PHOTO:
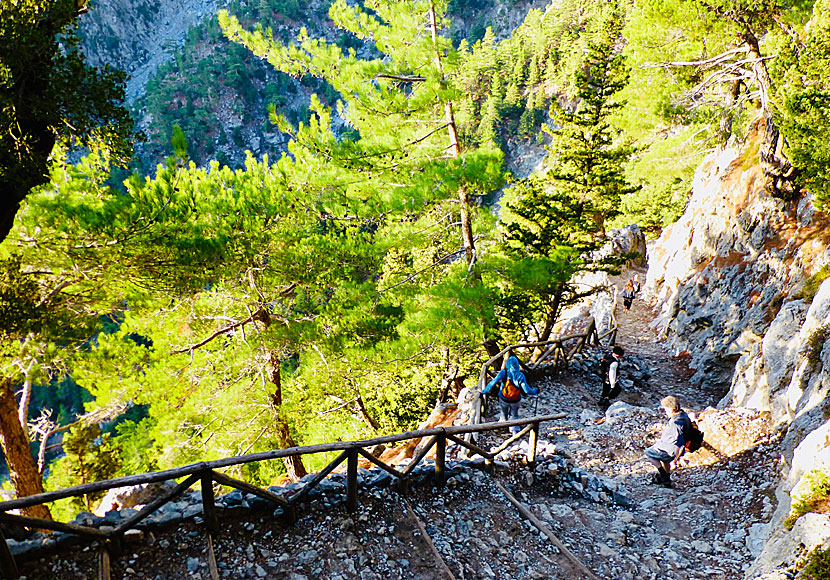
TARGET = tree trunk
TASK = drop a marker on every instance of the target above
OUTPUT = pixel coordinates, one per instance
(777, 167)
(550, 320)
(364, 414)
(293, 465)
(25, 476)
(463, 196)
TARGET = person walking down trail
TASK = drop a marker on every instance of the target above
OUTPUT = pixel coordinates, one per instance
(610, 375)
(511, 386)
(636, 284)
(628, 294)
(667, 451)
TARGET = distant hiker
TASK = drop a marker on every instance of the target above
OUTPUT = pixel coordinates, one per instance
(511, 385)
(636, 283)
(628, 294)
(610, 375)
(667, 451)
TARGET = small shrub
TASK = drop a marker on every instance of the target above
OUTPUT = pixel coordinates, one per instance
(816, 500)
(811, 286)
(815, 344)
(817, 566)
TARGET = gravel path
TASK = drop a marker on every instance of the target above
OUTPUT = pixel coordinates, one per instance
(707, 527)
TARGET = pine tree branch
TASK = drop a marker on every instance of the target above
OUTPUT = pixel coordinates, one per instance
(422, 270)
(255, 316)
(402, 78)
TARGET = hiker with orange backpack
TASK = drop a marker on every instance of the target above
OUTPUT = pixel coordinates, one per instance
(511, 386)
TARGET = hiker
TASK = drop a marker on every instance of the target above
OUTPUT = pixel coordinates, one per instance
(628, 294)
(636, 284)
(667, 451)
(512, 385)
(610, 375)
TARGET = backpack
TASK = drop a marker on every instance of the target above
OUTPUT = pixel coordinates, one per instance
(604, 366)
(509, 391)
(694, 438)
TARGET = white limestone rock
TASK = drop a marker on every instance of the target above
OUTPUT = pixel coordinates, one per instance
(785, 548)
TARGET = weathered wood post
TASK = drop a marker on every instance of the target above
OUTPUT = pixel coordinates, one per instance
(8, 567)
(115, 545)
(351, 480)
(208, 502)
(532, 438)
(104, 562)
(290, 514)
(440, 460)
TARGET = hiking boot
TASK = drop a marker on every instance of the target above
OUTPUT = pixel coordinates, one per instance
(667, 484)
(604, 402)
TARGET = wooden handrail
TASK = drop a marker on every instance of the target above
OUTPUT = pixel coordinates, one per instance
(558, 342)
(205, 472)
(195, 468)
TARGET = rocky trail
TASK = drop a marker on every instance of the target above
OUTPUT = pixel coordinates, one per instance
(590, 486)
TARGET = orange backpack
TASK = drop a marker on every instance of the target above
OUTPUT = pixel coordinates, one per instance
(509, 391)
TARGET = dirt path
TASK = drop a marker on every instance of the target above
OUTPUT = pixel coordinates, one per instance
(711, 523)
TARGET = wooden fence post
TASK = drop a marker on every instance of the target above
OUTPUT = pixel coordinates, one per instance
(290, 514)
(115, 546)
(8, 567)
(440, 460)
(532, 438)
(351, 481)
(104, 563)
(208, 502)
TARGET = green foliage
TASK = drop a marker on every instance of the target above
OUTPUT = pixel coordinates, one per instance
(586, 156)
(90, 456)
(49, 94)
(20, 301)
(816, 566)
(504, 82)
(813, 283)
(816, 498)
(815, 344)
(804, 99)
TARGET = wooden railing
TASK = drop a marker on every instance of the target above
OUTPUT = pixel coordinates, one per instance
(557, 353)
(206, 473)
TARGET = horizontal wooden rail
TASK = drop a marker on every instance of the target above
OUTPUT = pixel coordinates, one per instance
(206, 474)
(193, 468)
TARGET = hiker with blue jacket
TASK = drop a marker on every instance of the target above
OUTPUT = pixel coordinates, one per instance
(667, 451)
(510, 385)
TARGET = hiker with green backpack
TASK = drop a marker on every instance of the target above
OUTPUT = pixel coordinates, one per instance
(510, 385)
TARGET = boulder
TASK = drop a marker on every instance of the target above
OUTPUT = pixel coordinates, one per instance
(128, 497)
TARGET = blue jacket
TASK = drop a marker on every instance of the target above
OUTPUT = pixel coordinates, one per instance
(513, 370)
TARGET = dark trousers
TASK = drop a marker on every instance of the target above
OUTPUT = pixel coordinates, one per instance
(608, 392)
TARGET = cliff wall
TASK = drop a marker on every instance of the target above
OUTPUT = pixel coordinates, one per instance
(738, 283)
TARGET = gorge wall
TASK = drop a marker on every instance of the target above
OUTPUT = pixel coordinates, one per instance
(739, 284)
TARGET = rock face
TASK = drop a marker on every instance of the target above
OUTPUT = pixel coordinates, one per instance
(137, 36)
(734, 281)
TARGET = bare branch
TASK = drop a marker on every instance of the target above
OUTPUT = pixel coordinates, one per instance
(402, 78)
(724, 56)
(422, 270)
(255, 316)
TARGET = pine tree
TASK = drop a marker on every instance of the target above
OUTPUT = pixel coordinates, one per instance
(553, 222)
(584, 158)
(804, 104)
